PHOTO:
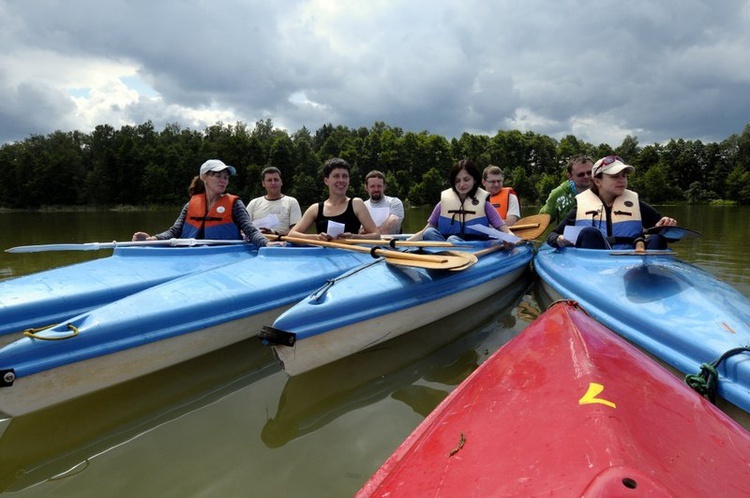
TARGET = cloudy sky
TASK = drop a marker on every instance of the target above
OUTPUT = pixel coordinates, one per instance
(597, 69)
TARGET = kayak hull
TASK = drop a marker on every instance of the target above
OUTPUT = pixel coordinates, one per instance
(370, 306)
(569, 408)
(162, 326)
(671, 309)
(48, 297)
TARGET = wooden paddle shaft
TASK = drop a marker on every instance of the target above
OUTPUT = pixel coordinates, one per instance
(377, 252)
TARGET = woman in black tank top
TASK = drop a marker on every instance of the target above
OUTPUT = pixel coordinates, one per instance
(339, 208)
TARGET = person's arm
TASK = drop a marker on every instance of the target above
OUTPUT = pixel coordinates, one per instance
(172, 232)
(494, 219)
(243, 221)
(369, 229)
(549, 204)
(432, 222)
(308, 219)
(295, 213)
(650, 217)
(514, 210)
(555, 237)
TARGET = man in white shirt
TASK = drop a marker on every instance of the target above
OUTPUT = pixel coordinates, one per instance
(387, 212)
(274, 212)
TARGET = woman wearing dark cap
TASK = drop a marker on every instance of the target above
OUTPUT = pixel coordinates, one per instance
(610, 215)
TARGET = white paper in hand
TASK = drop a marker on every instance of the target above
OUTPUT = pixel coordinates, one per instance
(496, 234)
(379, 215)
(269, 221)
(335, 229)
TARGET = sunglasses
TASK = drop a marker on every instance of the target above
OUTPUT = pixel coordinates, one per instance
(607, 161)
(583, 173)
(610, 159)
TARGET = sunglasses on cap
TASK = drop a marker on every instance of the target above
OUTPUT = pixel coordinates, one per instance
(605, 161)
(610, 159)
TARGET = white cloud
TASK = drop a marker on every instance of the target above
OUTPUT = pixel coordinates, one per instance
(597, 70)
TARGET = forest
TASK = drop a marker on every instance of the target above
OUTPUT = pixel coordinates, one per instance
(140, 166)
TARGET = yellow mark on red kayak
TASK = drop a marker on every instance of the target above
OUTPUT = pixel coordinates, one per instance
(591, 396)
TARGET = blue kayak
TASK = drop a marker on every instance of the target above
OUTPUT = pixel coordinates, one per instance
(370, 305)
(48, 297)
(162, 326)
(677, 312)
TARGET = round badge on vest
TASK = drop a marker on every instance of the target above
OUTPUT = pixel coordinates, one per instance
(220, 209)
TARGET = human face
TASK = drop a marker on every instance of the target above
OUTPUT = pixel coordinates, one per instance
(611, 186)
(272, 183)
(216, 181)
(337, 181)
(493, 183)
(375, 188)
(464, 183)
(581, 175)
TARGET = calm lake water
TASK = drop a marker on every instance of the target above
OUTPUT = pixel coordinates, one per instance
(233, 424)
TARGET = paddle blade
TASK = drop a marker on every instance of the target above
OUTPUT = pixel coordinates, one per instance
(673, 233)
(531, 227)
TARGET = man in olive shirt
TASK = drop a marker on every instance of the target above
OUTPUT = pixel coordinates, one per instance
(563, 198)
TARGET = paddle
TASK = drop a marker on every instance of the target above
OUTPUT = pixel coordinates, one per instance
(482, 252)
(96, 246)
(531, 227)
(398, 243)
(527, 228)
(673, 233)
(429, 261)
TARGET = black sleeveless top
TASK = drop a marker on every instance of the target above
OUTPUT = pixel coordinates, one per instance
(348, 218)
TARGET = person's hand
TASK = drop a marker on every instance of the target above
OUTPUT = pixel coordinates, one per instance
(140, 236)
(563, 242)
(345, 235)
(666, 222)
(324, 237)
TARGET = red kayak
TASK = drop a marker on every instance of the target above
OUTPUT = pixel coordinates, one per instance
(568, 408)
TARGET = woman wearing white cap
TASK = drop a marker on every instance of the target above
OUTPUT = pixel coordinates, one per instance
(610, 215)
(211, 213)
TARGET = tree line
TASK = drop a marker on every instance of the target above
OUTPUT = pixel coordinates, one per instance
(140, 166)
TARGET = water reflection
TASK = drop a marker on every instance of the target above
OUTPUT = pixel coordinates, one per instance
(443, 352)
(59, 442)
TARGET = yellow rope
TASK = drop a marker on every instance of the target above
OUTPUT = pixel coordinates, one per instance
(32, 333)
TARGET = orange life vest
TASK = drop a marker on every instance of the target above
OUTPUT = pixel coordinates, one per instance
(216, 223)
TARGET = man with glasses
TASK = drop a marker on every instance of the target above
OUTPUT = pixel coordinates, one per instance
(503, 199)
(563, 198)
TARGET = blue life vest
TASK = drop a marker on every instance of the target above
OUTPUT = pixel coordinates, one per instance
(456, 216)
(626, 217)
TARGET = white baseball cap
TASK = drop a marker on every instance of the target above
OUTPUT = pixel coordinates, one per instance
(216, 165)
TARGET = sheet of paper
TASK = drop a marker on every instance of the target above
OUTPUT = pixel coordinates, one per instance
(335, 228)
(496, 234)
(269, 221)
(379, 214)
(571, 233)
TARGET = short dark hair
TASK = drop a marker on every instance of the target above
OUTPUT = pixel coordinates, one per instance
(374, 174)
(492, 170)
(335, 163)
(578, 158)
(271, 170)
